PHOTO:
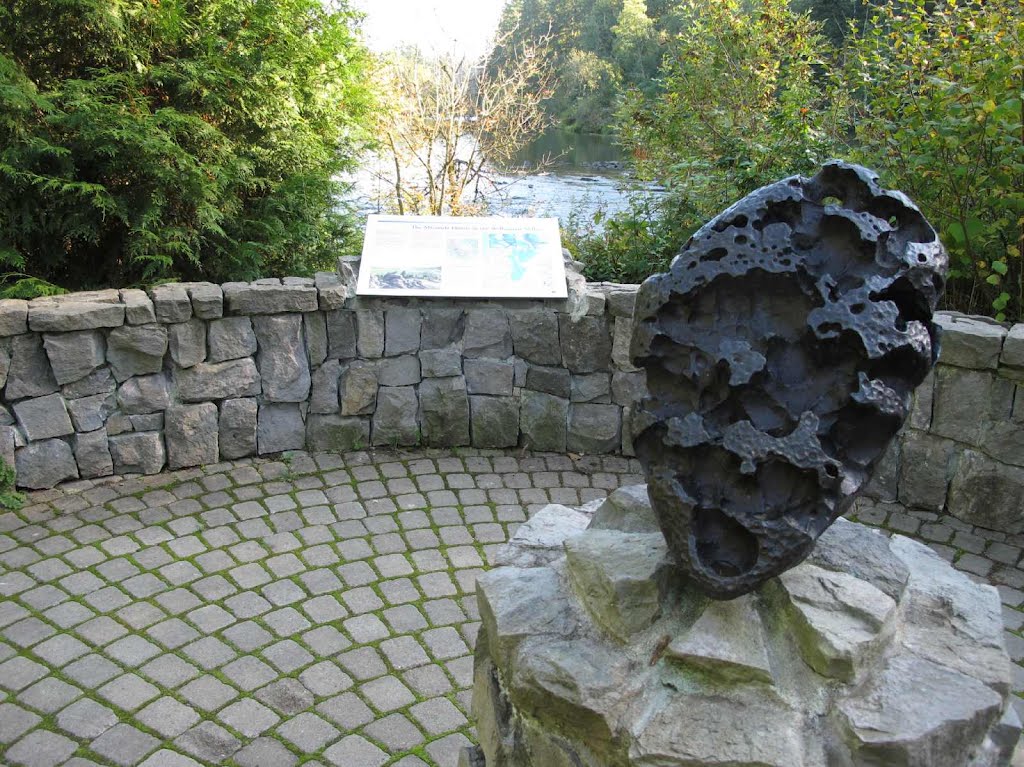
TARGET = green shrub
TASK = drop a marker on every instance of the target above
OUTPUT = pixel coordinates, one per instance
(939, 113)
(144, 140)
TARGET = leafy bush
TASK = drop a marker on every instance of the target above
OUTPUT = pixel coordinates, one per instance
(9, 497)
(939, 113)
(182, 138)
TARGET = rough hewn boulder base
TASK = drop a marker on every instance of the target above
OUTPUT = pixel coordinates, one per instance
(781, 351)
(593, 651)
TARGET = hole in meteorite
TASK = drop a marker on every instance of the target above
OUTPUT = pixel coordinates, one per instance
(857, 309)
(723, 544)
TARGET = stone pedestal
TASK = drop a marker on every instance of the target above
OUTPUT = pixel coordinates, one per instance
(593, 653)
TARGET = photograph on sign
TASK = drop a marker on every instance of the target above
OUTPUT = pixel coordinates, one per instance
(446, 256)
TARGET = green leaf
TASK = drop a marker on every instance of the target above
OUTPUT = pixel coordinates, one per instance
(999, 267)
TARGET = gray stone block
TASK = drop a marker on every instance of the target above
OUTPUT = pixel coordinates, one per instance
(594, 428)
(554, 381)
(5, 366)
(370, 333)
(627, 510)
(191, 435)
(30, 374)
(621, 300)
(147, 422)
(543, 421)
(138, 453)
(969, 342)
(281, 358)
(622, 335)
(399, 371)
(487, 334)
(138, 307)
(269, 298)
(43, 417)
(394, 420)
(488, 376)
(402, 331)
(315, 330)
(91, 413)
(230, 338)
(92, 453)
(535, 336)
(442, 326)
(341, 334)
(73, 356)
(495, 421)
(13, 316)
(187, 341)
(336, 433)
(332, 291)
(211, 381)
(171, 303)
(925, 470)
(357, 388)
(44, 464)
(8, 443)
(590, 387)
(967, 401)
(585, 343)
(1013, 347)
(119, 423)
(324, 394)
(63, 316)
(136, 350)
(628, 388)
(444, 411)
(207, 300)
(441, 363)
(987, 493)
(97, 382)
(238, 428)
(144, 394)
(279, 428)
(884, 484)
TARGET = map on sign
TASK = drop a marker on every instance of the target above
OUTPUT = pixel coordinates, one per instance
(447, 256)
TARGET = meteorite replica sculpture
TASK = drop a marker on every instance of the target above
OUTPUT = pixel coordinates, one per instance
(781, 350)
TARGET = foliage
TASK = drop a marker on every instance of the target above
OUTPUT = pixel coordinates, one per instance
(940, 113)
(182, 138)
(9, 497)
(601, 48)
(450, 120)
(630, 245)
(741, 104)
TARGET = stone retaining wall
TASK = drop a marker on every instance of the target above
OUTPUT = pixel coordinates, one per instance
(962, 449)
(132, 381)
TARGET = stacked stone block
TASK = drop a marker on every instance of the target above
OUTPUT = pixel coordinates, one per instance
(962, 449)
(133, 381)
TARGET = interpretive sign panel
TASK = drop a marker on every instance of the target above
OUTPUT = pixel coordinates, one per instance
(486, 257)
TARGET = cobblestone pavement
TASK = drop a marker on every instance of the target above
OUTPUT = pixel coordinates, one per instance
(316, 610)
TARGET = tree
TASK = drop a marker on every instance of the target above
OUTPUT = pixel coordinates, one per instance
(452, 120)
(940, 113)
(741, 104)
(183, 138)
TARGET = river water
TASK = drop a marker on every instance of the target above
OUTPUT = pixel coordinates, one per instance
(561, 174)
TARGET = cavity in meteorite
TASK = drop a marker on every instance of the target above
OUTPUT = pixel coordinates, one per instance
(781, 349)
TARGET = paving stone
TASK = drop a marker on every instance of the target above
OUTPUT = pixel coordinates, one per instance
(248, 717)
(208, 742)
(354, 749)
(396, 732)
(20, 672)
(265, 752)
(41, 748)
(168, 717)
(308, 732)
(437, 715)
(15, 722)
(170, 671)
(49, 695)
(124, 745)
(386, 694)
(207, 693)
(287, 656)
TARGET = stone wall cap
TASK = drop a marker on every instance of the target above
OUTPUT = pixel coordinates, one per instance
(74, 315)
(269, 297)
(13, 316)
(1013, 347)
(970, 342)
